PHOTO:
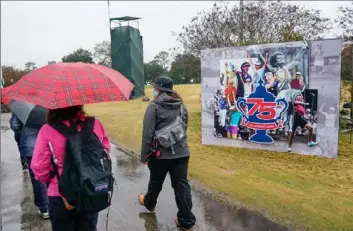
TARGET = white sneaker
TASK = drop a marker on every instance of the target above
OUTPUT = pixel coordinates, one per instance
(289, 149)
(44, 215)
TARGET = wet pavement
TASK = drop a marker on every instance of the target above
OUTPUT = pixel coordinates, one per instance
(19, 213)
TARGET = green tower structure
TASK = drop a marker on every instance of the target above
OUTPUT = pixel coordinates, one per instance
(127, 52)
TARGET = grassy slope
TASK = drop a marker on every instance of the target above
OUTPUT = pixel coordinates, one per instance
(313, 192)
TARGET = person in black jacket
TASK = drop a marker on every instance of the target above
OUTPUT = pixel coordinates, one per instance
(161, 112)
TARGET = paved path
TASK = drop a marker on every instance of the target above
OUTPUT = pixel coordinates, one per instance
(19, 213)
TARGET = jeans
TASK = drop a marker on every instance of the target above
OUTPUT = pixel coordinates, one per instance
(22, 158)
(177, 169)
(64, 220)
(39, 190)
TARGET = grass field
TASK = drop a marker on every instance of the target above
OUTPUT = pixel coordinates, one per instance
(302, 191)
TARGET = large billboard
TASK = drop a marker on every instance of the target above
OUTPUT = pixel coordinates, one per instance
(279, 97)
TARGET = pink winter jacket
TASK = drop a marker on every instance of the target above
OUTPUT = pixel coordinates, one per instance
(41, 160)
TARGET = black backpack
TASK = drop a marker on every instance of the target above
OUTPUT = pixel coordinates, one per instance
(87, 180)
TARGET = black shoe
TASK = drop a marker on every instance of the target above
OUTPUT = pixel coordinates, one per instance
(179, 226)
(141, 201)
(25, 167)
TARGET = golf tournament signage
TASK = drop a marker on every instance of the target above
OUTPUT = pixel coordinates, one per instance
(279, 97)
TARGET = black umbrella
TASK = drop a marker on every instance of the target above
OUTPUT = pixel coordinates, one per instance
(29, 114)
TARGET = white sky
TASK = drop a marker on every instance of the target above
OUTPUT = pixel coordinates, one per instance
(42, 31)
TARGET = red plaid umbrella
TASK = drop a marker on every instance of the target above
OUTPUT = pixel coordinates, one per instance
(69, 84)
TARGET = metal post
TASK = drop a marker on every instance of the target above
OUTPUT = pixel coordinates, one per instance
(108, 11)
(241, 6)
(110, 24)
(2, 80)
(351, 127)
(110, 35)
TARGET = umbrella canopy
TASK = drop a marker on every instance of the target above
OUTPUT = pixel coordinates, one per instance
(69, 84)
(28, 113)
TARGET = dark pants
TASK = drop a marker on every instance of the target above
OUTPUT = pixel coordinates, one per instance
(23, 158)
(64, 220)
(23, 161)
(178, 169)
(39, 190)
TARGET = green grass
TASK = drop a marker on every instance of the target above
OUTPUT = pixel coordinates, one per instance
(304, 191)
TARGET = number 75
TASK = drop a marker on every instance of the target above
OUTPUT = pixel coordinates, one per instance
(266, 109)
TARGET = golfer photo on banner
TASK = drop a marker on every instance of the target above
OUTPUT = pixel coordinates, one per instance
(276, 77)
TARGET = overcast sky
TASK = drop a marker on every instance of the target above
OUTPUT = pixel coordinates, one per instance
(47, 30)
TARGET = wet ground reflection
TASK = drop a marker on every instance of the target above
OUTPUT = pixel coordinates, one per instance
(19, 213)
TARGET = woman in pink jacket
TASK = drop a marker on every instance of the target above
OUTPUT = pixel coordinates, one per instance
(61, 218)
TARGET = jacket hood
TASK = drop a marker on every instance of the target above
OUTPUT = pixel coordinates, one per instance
(168, 101)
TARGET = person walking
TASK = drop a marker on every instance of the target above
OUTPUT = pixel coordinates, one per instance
(26, 136)
(16, 127)
(165, 149)
(48, 165)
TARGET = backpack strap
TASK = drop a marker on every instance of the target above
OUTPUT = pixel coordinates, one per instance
(89, 123)
(181, 109)
(54, 162)
(65, 130)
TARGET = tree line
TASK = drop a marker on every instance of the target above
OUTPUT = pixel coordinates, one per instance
(263, 22)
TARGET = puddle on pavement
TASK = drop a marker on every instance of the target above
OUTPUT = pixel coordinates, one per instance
(19, 213)
(211, 214)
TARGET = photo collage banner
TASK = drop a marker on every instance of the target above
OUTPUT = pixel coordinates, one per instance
(279, 97)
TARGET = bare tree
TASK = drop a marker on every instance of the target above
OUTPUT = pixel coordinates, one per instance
(345, 21)
(264, 22)
(163, 59)
(102, 53)
(11, 75)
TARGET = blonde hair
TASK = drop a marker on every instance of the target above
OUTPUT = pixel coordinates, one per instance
(230, 81)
